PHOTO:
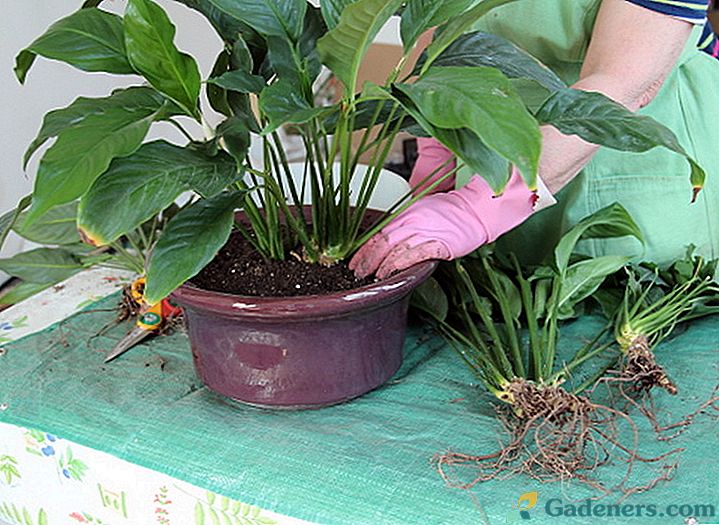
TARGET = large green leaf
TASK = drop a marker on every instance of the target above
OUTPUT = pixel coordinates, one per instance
(189, 241)
(611, 221)
(56, 226)
(281, 103)
(240, 81)
(149, 38)
(84, 150)
(600, 120)
(583, 278)
(483, 49)
(343, 47)
(42, 265)
(420, 15)
(267, 17)
(138, 187)
(89, 39)
(457, 26)
(7, 220)
(482, 100)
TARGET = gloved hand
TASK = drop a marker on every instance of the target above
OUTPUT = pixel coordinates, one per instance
(431, 155)
(448, 225)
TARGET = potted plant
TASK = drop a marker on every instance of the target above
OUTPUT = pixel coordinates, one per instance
(306, 350)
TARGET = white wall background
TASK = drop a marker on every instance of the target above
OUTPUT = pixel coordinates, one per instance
(52, 84)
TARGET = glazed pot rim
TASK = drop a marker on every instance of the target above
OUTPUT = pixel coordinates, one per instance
(333, 304)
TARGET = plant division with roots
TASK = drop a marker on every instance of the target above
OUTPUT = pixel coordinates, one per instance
(556, 432)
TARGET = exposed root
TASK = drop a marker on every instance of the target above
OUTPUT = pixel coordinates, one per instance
(641, 371)
(129, 307)
(555, 435)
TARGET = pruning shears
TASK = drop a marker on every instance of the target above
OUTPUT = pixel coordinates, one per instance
(149, 321)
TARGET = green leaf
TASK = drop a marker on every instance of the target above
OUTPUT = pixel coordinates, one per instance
(457, 26)
(482, 100)
(56, 226)
(281, 103)
(89, 39)
(138, 187)
(267, 17)
(343, 47)
(332, 11)
(42, 265)
(431, 299)
(583, 278)
(59, 119)
(240, 81)
(22, 291)
(483, 49)
(85, 149)
(235, 133)
(23, 62)
(26, 517)
(149, 38)
(7, 220)
(420, 15)
(598, 119)
(228, 27)
(42, 517)
(611, 221)
(189, 241)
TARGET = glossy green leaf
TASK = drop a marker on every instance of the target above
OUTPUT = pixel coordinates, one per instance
(22, 291)
(343, 48)
(7, 220)
(85, 149)
(332, 11)
(89, 39)
(149, 38)
(59, 119)
(42, 265)
(480, 99)
(612, 221)
(267, 17)
(420, 15)
(138, 187)
(598, 119)
(457, 26)
(483, 49)
(189, 241)
(281, 104)
(240, 81)
(583, 278)
(56, 226)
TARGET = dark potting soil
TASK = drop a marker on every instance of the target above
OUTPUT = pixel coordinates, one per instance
(239, 269)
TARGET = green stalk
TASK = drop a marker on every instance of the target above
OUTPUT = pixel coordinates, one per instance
(535, 339)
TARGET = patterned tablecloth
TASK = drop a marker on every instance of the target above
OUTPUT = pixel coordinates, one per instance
(48, 480)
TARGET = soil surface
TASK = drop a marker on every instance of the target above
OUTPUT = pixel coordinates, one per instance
(239, 269)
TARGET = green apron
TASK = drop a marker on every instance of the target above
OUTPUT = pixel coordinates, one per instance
(653, 186)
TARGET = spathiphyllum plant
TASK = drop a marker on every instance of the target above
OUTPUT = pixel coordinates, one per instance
(463, 91)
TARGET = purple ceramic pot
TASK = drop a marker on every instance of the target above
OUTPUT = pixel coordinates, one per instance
(299, 352)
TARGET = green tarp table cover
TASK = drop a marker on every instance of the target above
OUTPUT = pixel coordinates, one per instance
(362, 462)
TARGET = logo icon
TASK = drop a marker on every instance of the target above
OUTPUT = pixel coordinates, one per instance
(526, 502)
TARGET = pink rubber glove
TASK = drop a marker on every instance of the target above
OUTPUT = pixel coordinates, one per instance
(447, 225)
(431, 155)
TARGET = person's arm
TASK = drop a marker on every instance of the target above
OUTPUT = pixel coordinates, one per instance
(631, 52)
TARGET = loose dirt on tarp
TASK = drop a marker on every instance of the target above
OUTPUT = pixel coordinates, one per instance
(239, 269)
